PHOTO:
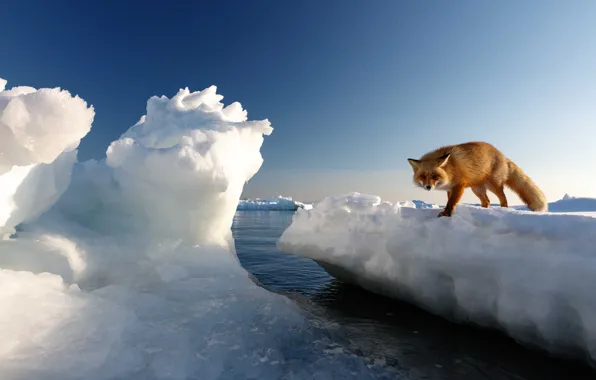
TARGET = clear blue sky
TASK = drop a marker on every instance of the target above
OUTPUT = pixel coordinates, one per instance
(351, 88)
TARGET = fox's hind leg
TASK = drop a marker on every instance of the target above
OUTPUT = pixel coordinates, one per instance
(500, 193)
(480, 192)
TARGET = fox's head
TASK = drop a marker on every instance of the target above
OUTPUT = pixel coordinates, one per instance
(430, 174)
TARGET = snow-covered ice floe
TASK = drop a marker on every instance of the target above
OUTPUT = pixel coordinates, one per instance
(530, 275)
(278, 203)
(125, 268)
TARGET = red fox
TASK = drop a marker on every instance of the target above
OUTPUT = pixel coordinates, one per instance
(480, 166)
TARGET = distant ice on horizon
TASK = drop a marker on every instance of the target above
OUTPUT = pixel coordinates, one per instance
(278, 203)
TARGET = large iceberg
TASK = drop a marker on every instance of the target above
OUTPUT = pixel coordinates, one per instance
(528, 274)
(131, 273)
(278, 203)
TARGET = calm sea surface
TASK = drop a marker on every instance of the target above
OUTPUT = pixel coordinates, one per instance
(414, 342)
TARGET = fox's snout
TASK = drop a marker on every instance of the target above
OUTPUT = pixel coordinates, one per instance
(426, 185)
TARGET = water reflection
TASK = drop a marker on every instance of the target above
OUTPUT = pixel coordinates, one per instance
(430, 347)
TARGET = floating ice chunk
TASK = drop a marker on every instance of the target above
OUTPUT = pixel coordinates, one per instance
(531, 275)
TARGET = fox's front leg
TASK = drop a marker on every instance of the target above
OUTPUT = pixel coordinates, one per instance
(453, 198)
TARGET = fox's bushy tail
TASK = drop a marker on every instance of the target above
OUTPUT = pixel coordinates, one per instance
(526, 189)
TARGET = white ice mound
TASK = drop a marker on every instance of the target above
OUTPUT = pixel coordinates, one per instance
(183, 166)
(278, 203)
(530, 275)
(39, 133)
(36, 126)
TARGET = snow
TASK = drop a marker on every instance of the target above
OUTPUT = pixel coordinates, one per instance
(278, 203)
(528, 274)
(125, 267)
(39, 133)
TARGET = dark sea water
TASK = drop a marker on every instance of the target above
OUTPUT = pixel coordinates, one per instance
(416, 343)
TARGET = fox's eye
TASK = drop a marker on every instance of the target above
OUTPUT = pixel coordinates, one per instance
(423, 177)
(435, 177)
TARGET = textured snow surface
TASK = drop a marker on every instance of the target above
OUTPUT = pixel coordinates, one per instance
(531, 275)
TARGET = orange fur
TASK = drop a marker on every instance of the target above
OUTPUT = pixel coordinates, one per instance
(481, 167)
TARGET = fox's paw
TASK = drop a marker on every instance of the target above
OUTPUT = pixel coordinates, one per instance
(444, 213)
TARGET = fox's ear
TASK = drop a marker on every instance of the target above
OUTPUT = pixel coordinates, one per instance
(415, 163)
(443, 160)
